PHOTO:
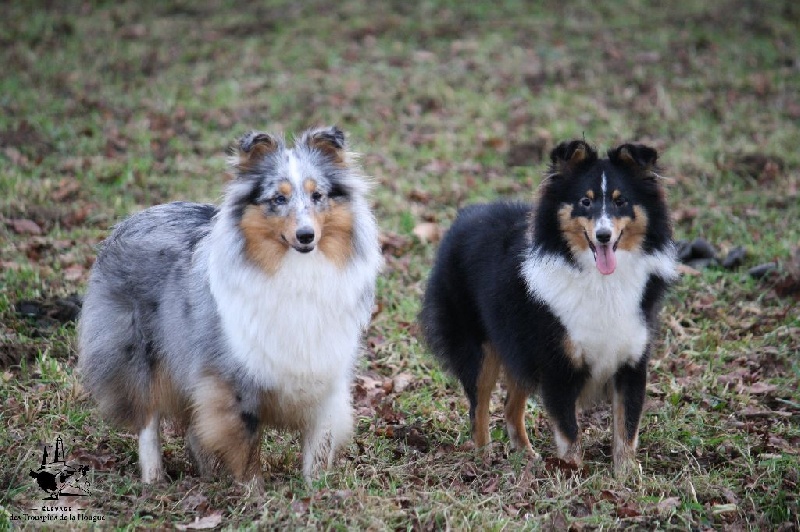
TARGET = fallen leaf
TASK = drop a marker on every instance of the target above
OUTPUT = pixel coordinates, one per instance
(420, 196)
(25, 227)
(202, 523)
(195, 503)
(760, 388)
(300, 506)
(394, 244)
(628, 510)
(667, 505)
(401, 381)
(428, 232)
(98, 460)
(76, 272)
(68, 189)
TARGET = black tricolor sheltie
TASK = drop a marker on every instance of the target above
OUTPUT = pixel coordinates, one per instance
(563, 296)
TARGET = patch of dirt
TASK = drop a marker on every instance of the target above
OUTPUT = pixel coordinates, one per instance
(27, 140)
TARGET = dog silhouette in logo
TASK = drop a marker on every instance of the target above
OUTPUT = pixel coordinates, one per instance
(54, 477)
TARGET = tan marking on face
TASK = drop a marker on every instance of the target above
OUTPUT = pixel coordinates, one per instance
(616, 194)
(310, 185)
(285, 188)
(590, 194)
(220, 430)
(264, 237)
(575, 229)
(487, 378)
(335, 226)
(514, 411)
(633, 230)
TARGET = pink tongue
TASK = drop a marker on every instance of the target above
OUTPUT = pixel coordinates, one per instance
(606, 260)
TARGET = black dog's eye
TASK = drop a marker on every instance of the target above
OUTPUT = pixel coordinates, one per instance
(586, 202)
(620, 202)
(316, 197)
(280, 199)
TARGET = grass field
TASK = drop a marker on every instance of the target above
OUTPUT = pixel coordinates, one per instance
(110, 107)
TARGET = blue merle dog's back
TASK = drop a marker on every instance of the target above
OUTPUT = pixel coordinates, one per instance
(140, 300)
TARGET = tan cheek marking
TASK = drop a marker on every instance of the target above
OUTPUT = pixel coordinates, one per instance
(264, 244)
(634, 229)
(336, 226)
(574, 228)
(285, 188)
(310, 185)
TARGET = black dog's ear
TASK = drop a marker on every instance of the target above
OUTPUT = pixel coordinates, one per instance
(253, 147)
(568, 155)
(328, 140)
(637, 156)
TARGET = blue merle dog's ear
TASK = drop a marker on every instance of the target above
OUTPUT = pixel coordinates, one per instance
(252, 148)
(569, 155)
(637, 157)
(328, 140)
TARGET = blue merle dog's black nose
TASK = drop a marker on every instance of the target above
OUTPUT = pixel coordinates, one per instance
(305, 235)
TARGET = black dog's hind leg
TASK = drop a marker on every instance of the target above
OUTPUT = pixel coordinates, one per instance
(478, 375)
(480, 398)
(627, 401)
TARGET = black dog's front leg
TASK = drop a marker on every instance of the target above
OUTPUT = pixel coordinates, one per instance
(627, 401)
(560, 396)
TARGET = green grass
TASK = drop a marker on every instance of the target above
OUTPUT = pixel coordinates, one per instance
(108, 108)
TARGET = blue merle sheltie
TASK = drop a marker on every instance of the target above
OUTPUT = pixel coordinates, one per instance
(562, 295)
(242, 316)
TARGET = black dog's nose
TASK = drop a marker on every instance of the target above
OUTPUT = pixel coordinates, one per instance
(603, 235)
(305, 235)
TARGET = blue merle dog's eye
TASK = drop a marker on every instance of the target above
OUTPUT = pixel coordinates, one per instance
(586, 202)
(316, 197)
(280, 199)
(620, 201)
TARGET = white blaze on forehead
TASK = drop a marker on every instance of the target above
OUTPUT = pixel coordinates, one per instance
(604, 222)
(298, 197)
(295, 176)
(604, 188)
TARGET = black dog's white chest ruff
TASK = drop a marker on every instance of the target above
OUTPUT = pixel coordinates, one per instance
(602, 314)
